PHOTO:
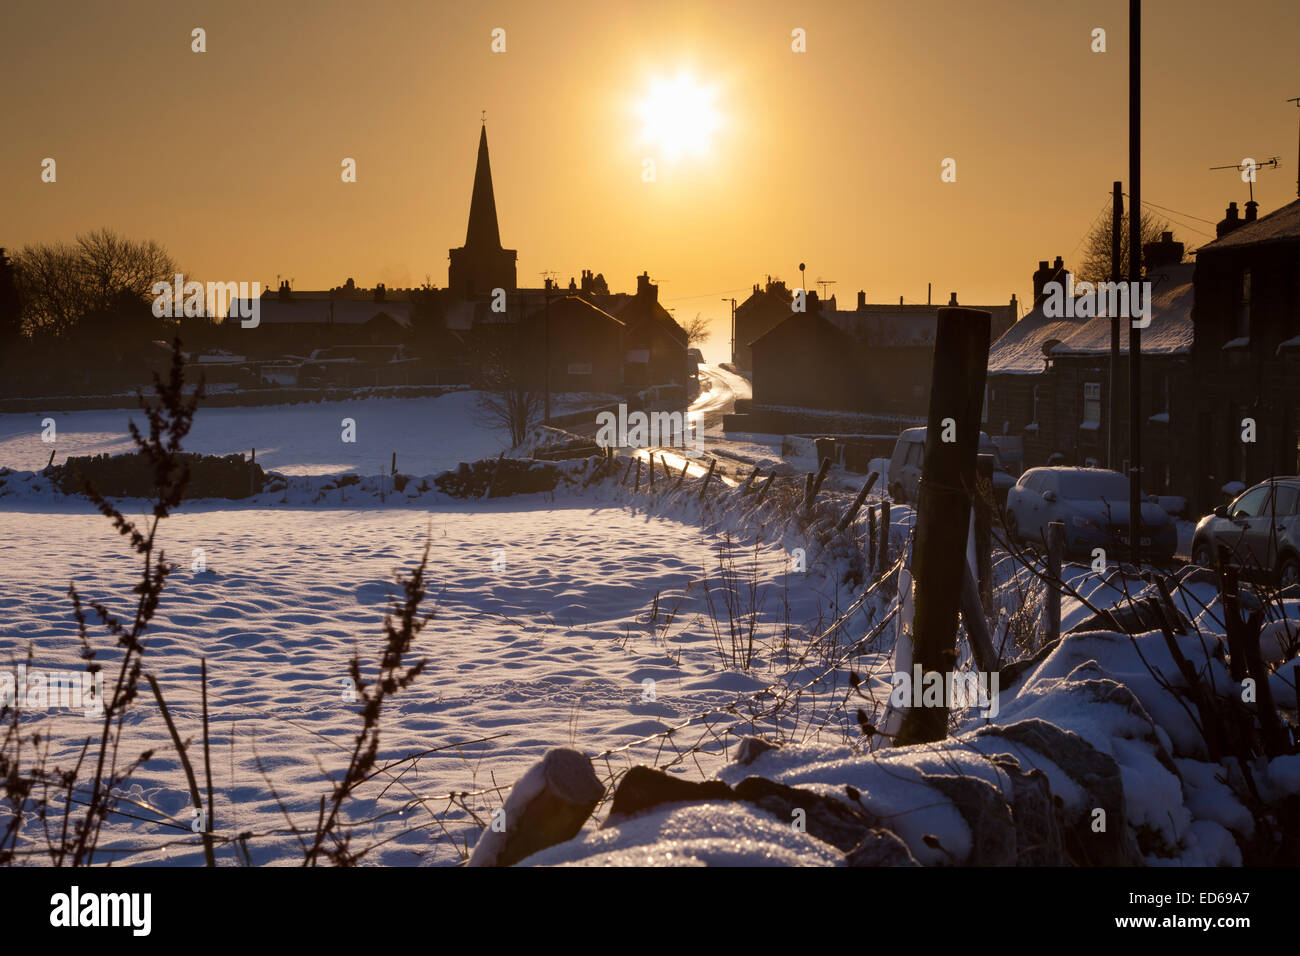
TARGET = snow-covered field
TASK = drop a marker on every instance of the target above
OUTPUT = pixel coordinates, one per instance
(541, 638)
(429, 434)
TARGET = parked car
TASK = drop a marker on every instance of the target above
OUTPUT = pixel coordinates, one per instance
(1260, 528)
(909, 452)
(1093, 504)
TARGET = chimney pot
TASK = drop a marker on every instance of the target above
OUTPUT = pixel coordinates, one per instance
(862, 298)
(1252, 208)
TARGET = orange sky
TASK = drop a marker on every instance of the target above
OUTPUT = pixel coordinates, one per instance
(231, 158)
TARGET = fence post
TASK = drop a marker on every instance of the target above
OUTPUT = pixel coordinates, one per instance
(816, 485)
(748, 485)
(636, 482)
(943, 510)
(882, 561)
(871, 540)
(682, 477)
(1055, 547)
(857, 502)
(984, 530)
(652, 470)
(713, 463)
(767, 483)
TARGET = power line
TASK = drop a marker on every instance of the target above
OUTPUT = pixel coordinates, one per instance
(702, 295)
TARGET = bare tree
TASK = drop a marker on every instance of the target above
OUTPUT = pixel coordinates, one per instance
(62, 284)
(1095, 263)
(697, 330)
(508, 397)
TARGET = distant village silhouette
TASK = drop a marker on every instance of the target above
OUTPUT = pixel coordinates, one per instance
(1223, 346)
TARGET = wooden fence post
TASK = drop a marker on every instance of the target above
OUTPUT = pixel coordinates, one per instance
(636, 482)
(816, 485)
(961, 350)
(1055, 547)
(749, 482)
(682, 477)
(882, 561)
(713, 462)
(871, 539)
(857, 502)
(652, 470)
(767, 483)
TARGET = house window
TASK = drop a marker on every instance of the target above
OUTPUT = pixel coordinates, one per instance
(1092, 403)
(1243, 307)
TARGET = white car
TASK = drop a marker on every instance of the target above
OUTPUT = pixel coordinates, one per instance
(1093, 505)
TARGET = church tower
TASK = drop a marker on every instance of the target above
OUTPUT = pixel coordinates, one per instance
(481, 265)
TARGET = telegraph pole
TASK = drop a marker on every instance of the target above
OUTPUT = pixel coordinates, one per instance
(1116, 275)
(733, 329)
(1135, 275)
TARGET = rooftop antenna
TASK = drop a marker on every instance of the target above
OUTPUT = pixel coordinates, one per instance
(483, 117)
(824, 283)
(1252, 165)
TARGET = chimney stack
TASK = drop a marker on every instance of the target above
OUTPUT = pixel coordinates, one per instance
(1166, 252)
(862, 298)
(643, 287)
(1045, 274)
(1229, 222)
(1252, 209)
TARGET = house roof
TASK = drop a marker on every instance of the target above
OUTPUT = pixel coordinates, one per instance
(900, 325)
(572, 305)
(1020, 350)
(314, 311)
(1170, 330)
(1278, 226)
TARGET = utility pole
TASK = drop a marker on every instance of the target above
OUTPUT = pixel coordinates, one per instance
(1116, 275)
(547, 411)
(1296, 101)
(733, 329)
(1135, 275)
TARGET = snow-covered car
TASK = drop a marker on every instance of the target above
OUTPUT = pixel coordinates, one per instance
(1260, 528)
(1093, 504)
(909, 452)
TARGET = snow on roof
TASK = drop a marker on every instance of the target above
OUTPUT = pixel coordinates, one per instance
(1278, 226)
(1170, 331)
(1020, 350)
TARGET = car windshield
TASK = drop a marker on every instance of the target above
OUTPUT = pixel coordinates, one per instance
(1092, 485)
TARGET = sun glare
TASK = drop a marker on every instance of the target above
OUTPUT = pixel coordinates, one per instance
(678, 117)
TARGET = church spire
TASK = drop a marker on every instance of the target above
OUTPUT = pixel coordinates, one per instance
(482, 231)
(481, 265)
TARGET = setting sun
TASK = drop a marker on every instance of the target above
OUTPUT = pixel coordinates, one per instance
(678, 116)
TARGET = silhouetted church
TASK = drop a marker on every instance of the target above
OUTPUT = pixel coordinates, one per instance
(481, 265)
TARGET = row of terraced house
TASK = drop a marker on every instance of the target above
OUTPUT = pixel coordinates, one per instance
(1220, 368)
